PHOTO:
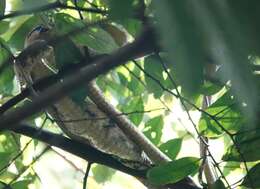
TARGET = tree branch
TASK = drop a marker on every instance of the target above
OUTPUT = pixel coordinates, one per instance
(142, 45)
(79, 149)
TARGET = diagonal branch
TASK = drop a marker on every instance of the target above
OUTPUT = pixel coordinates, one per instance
(142, 45)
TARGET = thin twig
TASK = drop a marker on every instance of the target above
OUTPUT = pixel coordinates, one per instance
(85, 179)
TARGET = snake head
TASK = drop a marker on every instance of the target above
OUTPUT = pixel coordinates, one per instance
(38, 33)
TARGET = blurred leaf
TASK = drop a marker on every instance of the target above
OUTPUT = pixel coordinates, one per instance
(102, 174)
(28, 4)
(247, 142)
(173, 171)
(209, 88)
(7, 75)
(120, 9)
(135, 105)
(133, 26)
(94, 37)
(172, 147)
(218, 185)
(252, 175)
(153, 67)
(4, 26)
(153, 129)
(17, 39)
(2, 7)
(182, 39)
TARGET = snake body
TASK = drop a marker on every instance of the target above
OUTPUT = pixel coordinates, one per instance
(78, 122)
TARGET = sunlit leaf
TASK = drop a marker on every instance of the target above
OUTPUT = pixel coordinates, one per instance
(171, 148)
(136, 108)
(153, 129)
(23, 184)
(102, 174)
(173, 171)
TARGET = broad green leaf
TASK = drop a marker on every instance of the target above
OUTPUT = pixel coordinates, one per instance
(172, 147)
(173, 171)
(182, 39)
(28, 4)
(253, 175)
(247, 142)
(94, 37)
(153, 67)
(4, 26)
(153, 129)
(2, 7)
(218, 185)
(17, 39)
(102, 174)
(136, 108)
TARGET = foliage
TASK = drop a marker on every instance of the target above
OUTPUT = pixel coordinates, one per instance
(190, 37)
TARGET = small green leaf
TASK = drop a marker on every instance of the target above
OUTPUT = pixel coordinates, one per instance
(136, 108)
(5, 157)
(173, 171)
(172, 147)
(153, 129)
(252, 175)
(102, 174)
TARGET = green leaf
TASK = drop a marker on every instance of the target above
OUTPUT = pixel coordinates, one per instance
(102, 174)
(153, 129)
(23, 184)
(218, 185)
(133, 26)
(226, 112)
(182, 39)
(2, 7)
(17, 39)
(4, 26)
(94, 37)
(5, 157)
(173, 171)
(67, 55)
(135, 106)
(120, 9)
(247, 142)
(253, 175)
(172, 147)
(153, 67)
(7, 76)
